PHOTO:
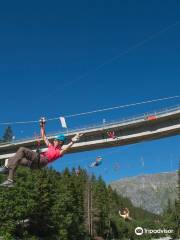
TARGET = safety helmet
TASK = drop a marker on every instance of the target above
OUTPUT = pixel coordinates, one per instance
(60, 137)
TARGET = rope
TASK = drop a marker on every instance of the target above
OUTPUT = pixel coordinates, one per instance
(121, 106)
(94, 111)
(115, 58)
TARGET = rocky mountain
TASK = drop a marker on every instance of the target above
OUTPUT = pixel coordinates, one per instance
(151, 191)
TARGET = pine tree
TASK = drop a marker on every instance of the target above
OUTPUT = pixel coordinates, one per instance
(100, 208)
(55, 206)
(172, 214)
(8, 134)
(44, 197)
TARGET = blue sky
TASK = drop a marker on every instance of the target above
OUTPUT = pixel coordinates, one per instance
(69, 57)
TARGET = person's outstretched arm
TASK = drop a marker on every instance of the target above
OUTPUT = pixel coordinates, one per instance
(121, 215)
(43, 132)
(73, 140)
(128, 217)
(127, 214)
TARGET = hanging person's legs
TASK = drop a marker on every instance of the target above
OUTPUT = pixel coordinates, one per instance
(24, 157)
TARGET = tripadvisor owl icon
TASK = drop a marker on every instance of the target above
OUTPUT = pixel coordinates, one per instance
(139, 231)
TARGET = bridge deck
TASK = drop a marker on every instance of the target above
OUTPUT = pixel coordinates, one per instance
(143, 128)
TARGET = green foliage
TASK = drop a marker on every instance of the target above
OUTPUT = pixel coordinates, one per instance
(172, 214)
(65, 206)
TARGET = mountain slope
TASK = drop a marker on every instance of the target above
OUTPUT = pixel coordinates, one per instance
(151, 192)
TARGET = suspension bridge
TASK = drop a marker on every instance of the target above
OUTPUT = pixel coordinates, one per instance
(145, 127)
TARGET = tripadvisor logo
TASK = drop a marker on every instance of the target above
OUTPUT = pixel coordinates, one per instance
(139, 231)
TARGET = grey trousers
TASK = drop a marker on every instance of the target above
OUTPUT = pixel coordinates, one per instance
(25, 157)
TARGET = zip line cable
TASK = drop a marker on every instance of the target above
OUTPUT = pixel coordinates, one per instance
(129, 49)
(94, 111)
(136, 45)
(121, 106)
(99, 67)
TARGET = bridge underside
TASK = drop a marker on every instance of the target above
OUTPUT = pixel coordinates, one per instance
(140, 130)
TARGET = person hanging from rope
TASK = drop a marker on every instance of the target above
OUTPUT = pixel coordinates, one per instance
(125, 214)
(111, 134)
(97, 162)
(34, 160)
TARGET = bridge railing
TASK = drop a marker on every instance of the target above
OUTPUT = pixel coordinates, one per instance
(123, 121)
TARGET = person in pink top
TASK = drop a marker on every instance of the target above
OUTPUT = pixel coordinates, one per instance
(34, 160)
